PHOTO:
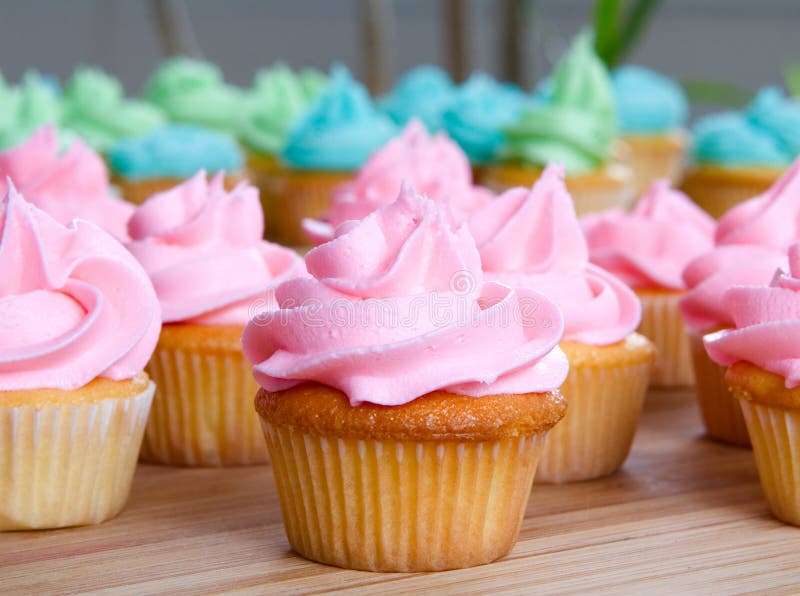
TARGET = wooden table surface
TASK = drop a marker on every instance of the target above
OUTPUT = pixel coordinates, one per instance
(685, 514)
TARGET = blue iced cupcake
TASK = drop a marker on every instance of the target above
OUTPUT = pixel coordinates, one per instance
(424, 93)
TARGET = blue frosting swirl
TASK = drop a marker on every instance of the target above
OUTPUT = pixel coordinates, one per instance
(340, 129)
(424, 92)
(774, 113)
(175, 151)
(648, 102)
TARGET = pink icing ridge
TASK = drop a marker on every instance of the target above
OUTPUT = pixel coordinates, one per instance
(74, 304)
(396, 308)
(433, 164)
(651, 245)
(202, 247)
(532, 238)
(72, 185)
(771, 219)
(767, 325)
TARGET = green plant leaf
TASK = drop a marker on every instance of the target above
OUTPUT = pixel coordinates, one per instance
(791, 76)
(719, 93)
(606, 27)
(636, 21)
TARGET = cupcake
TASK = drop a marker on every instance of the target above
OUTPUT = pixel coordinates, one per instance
(167, 156)
(576, 126)
(432, 164)
(95, 108)
(424, 93)
(80, 319)
(68, 184)
(324, 148)
(737, 155)
(640, 248)
(652, 110)
(193, 92)
(203, 249)
(762, 355)
(532, 239)
(412, 413)
(32, 104)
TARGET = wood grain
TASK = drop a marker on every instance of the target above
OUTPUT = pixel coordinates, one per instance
(685, 514)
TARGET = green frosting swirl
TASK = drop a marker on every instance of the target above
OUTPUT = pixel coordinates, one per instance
(95, 108)
(25, 108)
(577, 125)
(193, 91)
(278, 98)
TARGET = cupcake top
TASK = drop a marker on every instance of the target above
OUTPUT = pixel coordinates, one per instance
(532, 239)
(32, 104)
(577, 125)
(399, 309)
(424, 92)
(766, 325)
(67, 184)
(74, 304)
(648, 102)
(203, 250)
(175, 151)
(278, 98)
(194, 92)
(767, 133)
(432, 164)
(95, 107)
(340, 129)
(478, 112)
(640, 247)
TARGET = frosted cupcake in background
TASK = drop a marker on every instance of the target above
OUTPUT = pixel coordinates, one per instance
(575, 126)
(331, 141)
(69, 183)
(80, 320)
(648, 249)
(652, 111)
(425, 415)
(203, 250)
(23, 109)
(530, 238)
(166, 156)
(737, 155)
(424, 93)
(432, 164)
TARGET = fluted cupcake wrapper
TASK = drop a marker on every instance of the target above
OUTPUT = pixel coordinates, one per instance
(401, 506)
(655, 157)
(721, 412)
(717, 190)
(662, 324)
(69, 464)
(138, 191)
(595, 436)
(203, 412)
(775, 435)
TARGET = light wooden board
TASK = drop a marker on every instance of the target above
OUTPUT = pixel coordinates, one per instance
(685, 514)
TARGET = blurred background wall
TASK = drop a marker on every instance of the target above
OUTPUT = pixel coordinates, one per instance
(743, 41)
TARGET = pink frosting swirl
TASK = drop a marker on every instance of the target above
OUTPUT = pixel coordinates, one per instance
(532, 238)
(202, 247)
(766, 323)
(69, 185)
(433, 164)
(771, 219)
(397, 308)
(650, 246)
(74, 304)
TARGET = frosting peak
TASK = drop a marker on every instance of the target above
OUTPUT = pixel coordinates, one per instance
(424, 92)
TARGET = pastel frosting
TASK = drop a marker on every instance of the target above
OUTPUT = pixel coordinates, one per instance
(650, 246)
(175, 151)
(648, 102)
(203, 250)
(399, 309)
(532, 239)
(95, 108)
(278, 98)
(424, 93)
(33, 103)
(69, 184)
(480, 109)
(766, 325)
(577, 126)
(432, 164)
(74, 304)
(339, 130)
(194, 92)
